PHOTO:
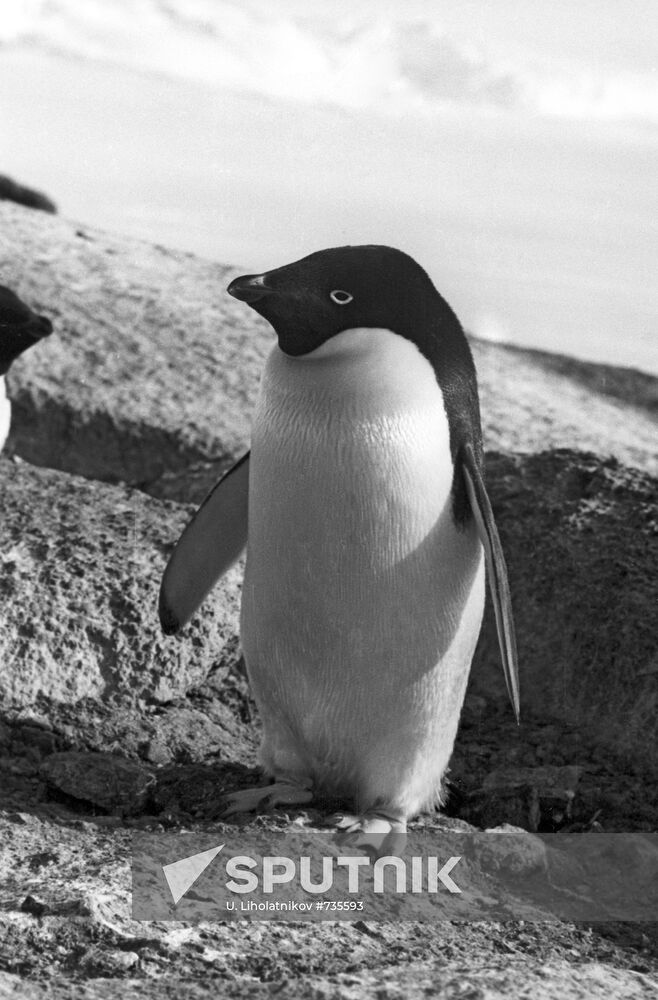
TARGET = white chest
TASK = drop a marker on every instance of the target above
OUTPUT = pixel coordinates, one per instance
(350, 491)
(351, 445)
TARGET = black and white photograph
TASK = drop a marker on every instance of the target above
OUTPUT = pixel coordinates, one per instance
(329, 519)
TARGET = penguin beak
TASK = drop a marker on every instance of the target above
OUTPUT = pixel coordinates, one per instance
(39, 327)
(34, 328)
(249, 288)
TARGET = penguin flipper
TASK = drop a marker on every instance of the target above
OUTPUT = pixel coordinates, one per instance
(209, 545)
(496, 571)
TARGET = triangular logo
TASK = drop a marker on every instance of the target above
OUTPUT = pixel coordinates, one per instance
(181, 875)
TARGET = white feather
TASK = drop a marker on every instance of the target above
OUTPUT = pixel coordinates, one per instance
(362, 601)
(5, 412)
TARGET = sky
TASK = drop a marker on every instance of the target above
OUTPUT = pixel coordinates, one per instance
(512, 148)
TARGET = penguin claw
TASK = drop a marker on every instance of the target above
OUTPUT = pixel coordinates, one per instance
(378, 835)
(281, 793)
(341, 821)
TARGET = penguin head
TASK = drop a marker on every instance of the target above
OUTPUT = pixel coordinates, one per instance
(19, 328)
(343, 288)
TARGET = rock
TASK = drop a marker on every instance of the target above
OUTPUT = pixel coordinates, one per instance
(531, 405)
(474, 708)
(98, 962)
(624, 384)
(87, 926)
(533, 797)
(22, 818)
(34, 741)
(80, 565)
(34, 906)
(149, 379)
(580, 536)
(152, 372)
(105, 780)
(514, 852)
(186, 735)
(197, 789)
(11, 191)
(559, 781)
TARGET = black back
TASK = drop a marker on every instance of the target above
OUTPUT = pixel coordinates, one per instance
(390, 290)
(19, 328)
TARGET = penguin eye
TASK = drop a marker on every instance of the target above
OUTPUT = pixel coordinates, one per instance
(340, 297)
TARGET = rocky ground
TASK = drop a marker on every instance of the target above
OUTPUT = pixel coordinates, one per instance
(122, 420)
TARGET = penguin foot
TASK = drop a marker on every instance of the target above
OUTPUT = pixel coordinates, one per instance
(375, 833)
(281, 793)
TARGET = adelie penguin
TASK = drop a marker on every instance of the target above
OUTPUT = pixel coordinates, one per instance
(20, 328)
(367, 523)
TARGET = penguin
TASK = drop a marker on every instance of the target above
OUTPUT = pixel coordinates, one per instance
(363, 507)
(10, 190)
(20, 328)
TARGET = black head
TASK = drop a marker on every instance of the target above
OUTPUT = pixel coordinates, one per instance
(19, 328)
(334, 290)
(315, 298)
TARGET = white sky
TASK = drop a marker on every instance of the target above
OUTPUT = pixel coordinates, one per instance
(538, 222)
(603, 34)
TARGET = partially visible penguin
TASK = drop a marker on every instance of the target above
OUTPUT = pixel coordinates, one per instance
(367, 523)
(20, 328)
